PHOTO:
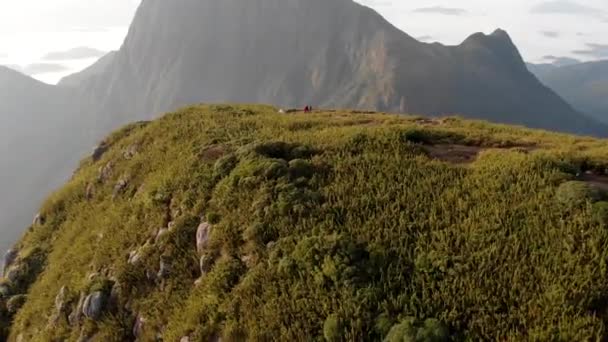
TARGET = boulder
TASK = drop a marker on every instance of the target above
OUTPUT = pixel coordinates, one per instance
(160, 233)
(130, 152)
(94, 304)
(202, 236)
(134, 257)
(185, 339)
(5, 289)
(99, 151)
(38, 220)
(76, 315)
(105, 172)
(165, 267)
(15, 303)
(151, 276)
(9, 258)
(120, 186)
(205, 264)
(89, 192)
(138, 327)
(60, 300)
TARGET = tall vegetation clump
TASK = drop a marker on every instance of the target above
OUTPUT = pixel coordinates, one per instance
(240, 223)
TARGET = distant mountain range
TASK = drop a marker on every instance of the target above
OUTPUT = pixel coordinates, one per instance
(584, 85)
(328, 53)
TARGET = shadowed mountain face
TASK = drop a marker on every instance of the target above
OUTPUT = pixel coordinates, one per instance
(584, 85)
(40, 137)
(332, 53)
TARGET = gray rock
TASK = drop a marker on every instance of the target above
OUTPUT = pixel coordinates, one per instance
(202, 236)
(94, 305)
(9, 258)
(60, 300)
(134, 257)
(165, 267)
(105, 172)
(138, 327)
(130, 152)
(205, 264)
(160, 233)
(38, 220)
(15, 303)
(5, 290)
(99, 151)
(120, 186)
(75, 317)
(151, 275)
(89, 191)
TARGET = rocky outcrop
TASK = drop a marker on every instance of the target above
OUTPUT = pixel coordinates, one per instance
(202, 237)
(94, 305)
(76, 316)
(99, 151)
(8, 260)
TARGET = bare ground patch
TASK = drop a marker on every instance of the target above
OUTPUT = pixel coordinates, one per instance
(595, 180)
(466, 154)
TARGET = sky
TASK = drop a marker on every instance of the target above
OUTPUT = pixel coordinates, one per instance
(49, 39)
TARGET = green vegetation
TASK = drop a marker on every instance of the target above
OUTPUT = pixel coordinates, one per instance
(330, 226)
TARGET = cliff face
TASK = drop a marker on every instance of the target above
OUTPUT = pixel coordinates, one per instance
(326, 53)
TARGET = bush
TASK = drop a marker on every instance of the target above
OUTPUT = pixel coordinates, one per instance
(332, 329)
(225, 165)
(431, 330)
(600, 213)
(577, 193)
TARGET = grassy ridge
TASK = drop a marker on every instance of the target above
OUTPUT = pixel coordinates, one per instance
(334, 225)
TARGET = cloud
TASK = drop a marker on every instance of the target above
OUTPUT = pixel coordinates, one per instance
(594, 50)
(40, 68)
(566, 7)
(550, 34)
(75, 53)
(561, 61)
(425, 38)
(441, 10)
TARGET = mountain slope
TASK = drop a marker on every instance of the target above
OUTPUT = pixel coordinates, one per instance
(584, 85)
(39, 146)
(332, 53)
(239, 223)
(97, 68)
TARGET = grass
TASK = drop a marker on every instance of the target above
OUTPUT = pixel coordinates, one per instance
(329, 226)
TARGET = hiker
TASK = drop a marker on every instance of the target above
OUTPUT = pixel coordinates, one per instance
(306, 110)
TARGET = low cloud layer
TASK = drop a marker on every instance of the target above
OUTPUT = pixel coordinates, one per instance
(75, 53)
(594, 50)
(441, 10)
(560, 61)
(39, 68)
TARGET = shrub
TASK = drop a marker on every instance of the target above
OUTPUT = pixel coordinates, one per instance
(332, 329)
(600, 213)
(577, 193)
(224, 166)
(431, 330)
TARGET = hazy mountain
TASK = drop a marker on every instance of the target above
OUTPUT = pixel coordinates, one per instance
(584, 85)
(39, 146)
(97, 68)
(332, 53)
